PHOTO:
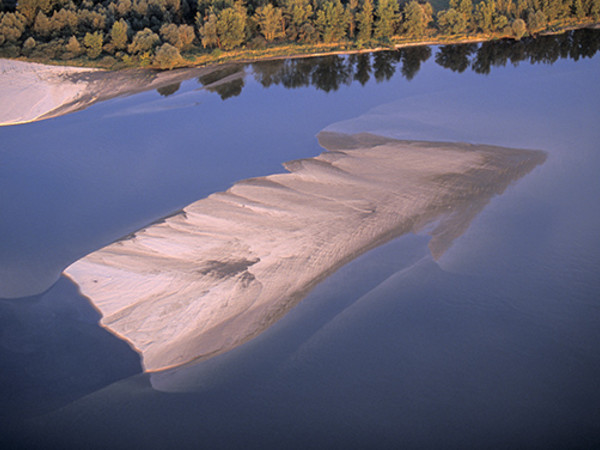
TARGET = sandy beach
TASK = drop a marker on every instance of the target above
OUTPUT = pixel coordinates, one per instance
(228, 266)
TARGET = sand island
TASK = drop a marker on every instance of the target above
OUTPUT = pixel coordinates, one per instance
(226, 267)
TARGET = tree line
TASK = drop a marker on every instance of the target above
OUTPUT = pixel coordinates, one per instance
(163, 32)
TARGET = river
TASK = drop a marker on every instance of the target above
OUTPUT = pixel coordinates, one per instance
(488, 337)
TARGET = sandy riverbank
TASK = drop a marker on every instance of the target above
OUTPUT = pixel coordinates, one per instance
(206, 280)
(30, 92)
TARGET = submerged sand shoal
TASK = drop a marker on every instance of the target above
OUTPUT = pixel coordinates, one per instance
(228, 266)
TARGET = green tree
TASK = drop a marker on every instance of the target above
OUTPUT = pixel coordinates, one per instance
(466, 9)
(28, 45)
(208, 32)
(416, 18)
(578, 9)
(167, 56)
(365, 21)
(123, 7)
(594, 9)
(451, 21)
(93, 44)
(143, 42)
(41, 25)
(536, 21)
(65, 22)
(12, 26)
(351, 8)
(270, 21)
(73, 47)
(519, 28)
(179, 36)
(387, 17)
(297, 15)
(119, 34)
(29, 9)
(484, 15)
(231, 26)
(332, 21)
(463, 7)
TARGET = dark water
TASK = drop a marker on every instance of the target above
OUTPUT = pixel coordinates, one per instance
(495, 345)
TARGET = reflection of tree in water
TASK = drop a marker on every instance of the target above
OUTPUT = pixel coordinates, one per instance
(455, 57)
(544, 49)
(384, 65)
(227, 81)
(362, 67)
(170, 89)
(412, 58)
(329, 73)
(325, 73)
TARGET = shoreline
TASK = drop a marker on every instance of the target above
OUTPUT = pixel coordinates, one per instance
(246, 56)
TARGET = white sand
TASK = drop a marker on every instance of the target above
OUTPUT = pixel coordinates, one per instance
(204, 281)
(29, 91)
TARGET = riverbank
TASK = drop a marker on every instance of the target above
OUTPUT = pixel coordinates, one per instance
(199, 57)
(31, 91)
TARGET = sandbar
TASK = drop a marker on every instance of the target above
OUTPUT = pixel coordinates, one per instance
(225, 268)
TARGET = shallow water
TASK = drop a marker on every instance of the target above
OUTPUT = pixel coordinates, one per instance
(493, 345)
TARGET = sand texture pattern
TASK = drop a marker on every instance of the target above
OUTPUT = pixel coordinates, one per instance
(206, 280)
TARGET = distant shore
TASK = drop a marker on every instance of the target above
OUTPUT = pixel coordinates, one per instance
(294, 51)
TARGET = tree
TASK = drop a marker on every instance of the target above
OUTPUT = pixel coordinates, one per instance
(387, 17)
(578, 9)
(297, 14)
(231, 26)
(29, 9)
(332, 21)
(594, 9)
(167, 56)
(351, 8)
(41, 25)
(12, 26)
(270, 22)
(484, 15)
(73, 47)
(64, 21)
(143, 41)
(28, 45)
(119, 34)
(181, 37)
(536, 21)
(123, 7)
(451, 21)
(365, 21)
(93, 44)
(466, 9)
(416, 18)
(519, 28)
(208, 32)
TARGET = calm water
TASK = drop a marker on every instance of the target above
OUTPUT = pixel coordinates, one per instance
(494, 345)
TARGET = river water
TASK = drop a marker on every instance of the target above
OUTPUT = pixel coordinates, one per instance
(494, 344)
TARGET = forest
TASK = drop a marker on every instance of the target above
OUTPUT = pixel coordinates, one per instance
(172, 33)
